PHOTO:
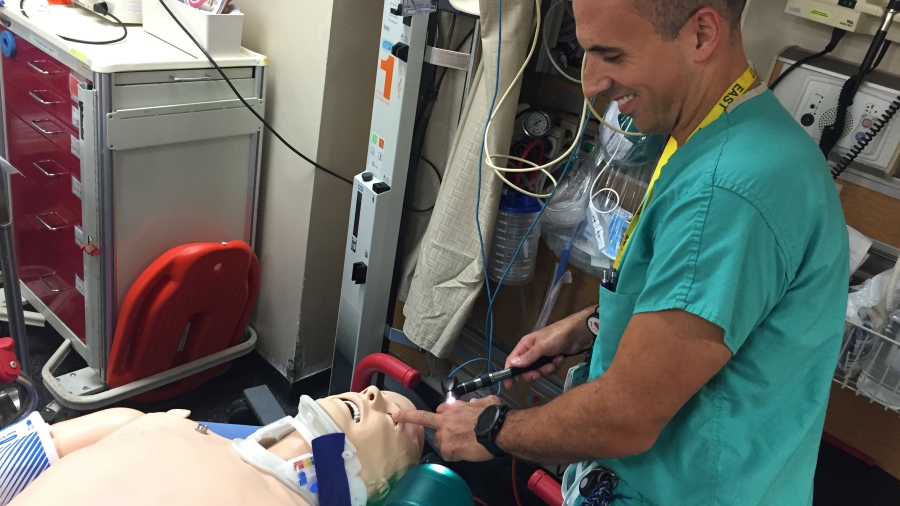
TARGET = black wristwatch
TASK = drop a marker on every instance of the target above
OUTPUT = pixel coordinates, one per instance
(488, 426)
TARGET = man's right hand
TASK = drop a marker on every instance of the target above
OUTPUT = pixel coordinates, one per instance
(565, 337)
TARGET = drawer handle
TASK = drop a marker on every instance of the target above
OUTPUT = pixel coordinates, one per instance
(44, 131)
(190, 79)
(50, 227)
(49, 286)
(33, 94)
(33, 64)
(44, 171)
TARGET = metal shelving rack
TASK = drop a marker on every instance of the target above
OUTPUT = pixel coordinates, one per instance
(869, 365)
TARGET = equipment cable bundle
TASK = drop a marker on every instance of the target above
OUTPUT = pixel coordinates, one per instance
(874, 55)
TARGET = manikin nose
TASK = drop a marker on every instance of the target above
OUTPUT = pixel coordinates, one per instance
(373, 395)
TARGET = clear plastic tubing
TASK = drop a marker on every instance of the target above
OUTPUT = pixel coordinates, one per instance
(517, 213)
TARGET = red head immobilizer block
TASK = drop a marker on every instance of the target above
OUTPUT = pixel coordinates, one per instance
(193, 301)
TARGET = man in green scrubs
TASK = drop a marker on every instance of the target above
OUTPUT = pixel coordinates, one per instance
(711, 371)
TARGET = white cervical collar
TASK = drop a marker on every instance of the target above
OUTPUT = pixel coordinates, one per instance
(311, 422)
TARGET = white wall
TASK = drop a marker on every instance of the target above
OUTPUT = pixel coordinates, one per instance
(277, 28)
(343, 140)
(310, 46)
(768, 30)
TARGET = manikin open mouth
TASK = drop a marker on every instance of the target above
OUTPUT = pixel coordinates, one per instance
(354, 409)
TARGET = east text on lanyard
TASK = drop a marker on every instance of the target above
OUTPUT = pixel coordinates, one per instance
(737, 89)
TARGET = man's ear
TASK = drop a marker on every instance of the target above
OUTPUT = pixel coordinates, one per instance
(704, 33)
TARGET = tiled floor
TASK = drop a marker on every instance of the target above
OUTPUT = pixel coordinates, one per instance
(840, 479)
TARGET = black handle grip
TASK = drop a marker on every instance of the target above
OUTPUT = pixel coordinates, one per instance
(541, 362)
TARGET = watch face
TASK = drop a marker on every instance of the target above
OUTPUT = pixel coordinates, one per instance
(487, 419)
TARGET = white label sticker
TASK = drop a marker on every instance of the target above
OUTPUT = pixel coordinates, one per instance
(793, 9)
(599, 225)
(76, 118)
(79, 284)
(133, 7)
(43, 45)
(79, 236)
(76, 146)
(616, 225)
(76, 187)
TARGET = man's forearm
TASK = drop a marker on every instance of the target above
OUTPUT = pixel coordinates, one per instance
(588, 422)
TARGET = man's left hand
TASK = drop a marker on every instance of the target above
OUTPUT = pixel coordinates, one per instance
(455, 424)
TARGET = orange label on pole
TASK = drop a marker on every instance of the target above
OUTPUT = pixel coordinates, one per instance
(387, 65)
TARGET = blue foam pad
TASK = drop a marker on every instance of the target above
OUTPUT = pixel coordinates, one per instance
(334, 489)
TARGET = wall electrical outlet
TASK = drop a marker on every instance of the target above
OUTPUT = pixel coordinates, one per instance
(810, 95)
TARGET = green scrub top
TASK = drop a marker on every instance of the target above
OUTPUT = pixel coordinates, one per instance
(745, 230)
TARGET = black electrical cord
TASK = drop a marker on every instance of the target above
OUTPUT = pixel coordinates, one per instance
(836, 35)
(860, 146)
(421, 114)
(832, 133)
(884, 49)
(433, 93)
(248, 106)
(100, 8)
(440, 181)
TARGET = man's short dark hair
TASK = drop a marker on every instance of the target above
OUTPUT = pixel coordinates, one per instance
(670, 16)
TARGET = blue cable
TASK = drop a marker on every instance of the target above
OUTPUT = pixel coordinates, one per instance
(467, 363)
(487, 284)
(533, 224)
(489, 319)
(492, 297)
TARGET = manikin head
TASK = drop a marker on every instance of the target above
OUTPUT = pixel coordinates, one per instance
(660, 52)
(385, 448)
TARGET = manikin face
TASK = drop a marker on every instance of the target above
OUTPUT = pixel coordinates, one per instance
(630, 63)
(384, 448)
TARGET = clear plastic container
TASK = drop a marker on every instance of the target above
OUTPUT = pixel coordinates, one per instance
(566, 210)
(880, 379)
(517, 213)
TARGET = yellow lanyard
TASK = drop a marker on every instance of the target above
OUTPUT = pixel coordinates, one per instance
(734, 91)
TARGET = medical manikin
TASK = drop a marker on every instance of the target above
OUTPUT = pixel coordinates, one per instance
(121, 456)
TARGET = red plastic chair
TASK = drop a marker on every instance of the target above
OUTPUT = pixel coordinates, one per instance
(193, 301)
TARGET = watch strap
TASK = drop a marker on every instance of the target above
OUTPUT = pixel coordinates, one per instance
(488, 438)
(493, 448)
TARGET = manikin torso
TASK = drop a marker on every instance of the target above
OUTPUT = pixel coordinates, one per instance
(120, 456)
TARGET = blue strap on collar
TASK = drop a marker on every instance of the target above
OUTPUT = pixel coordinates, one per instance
(334, 489)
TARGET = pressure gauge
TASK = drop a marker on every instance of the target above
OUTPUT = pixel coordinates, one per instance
(537, 124)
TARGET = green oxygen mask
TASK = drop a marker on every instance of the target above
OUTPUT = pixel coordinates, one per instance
(627, 150)
(430, 485)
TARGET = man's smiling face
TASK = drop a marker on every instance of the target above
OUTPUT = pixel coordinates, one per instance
(629, 62)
